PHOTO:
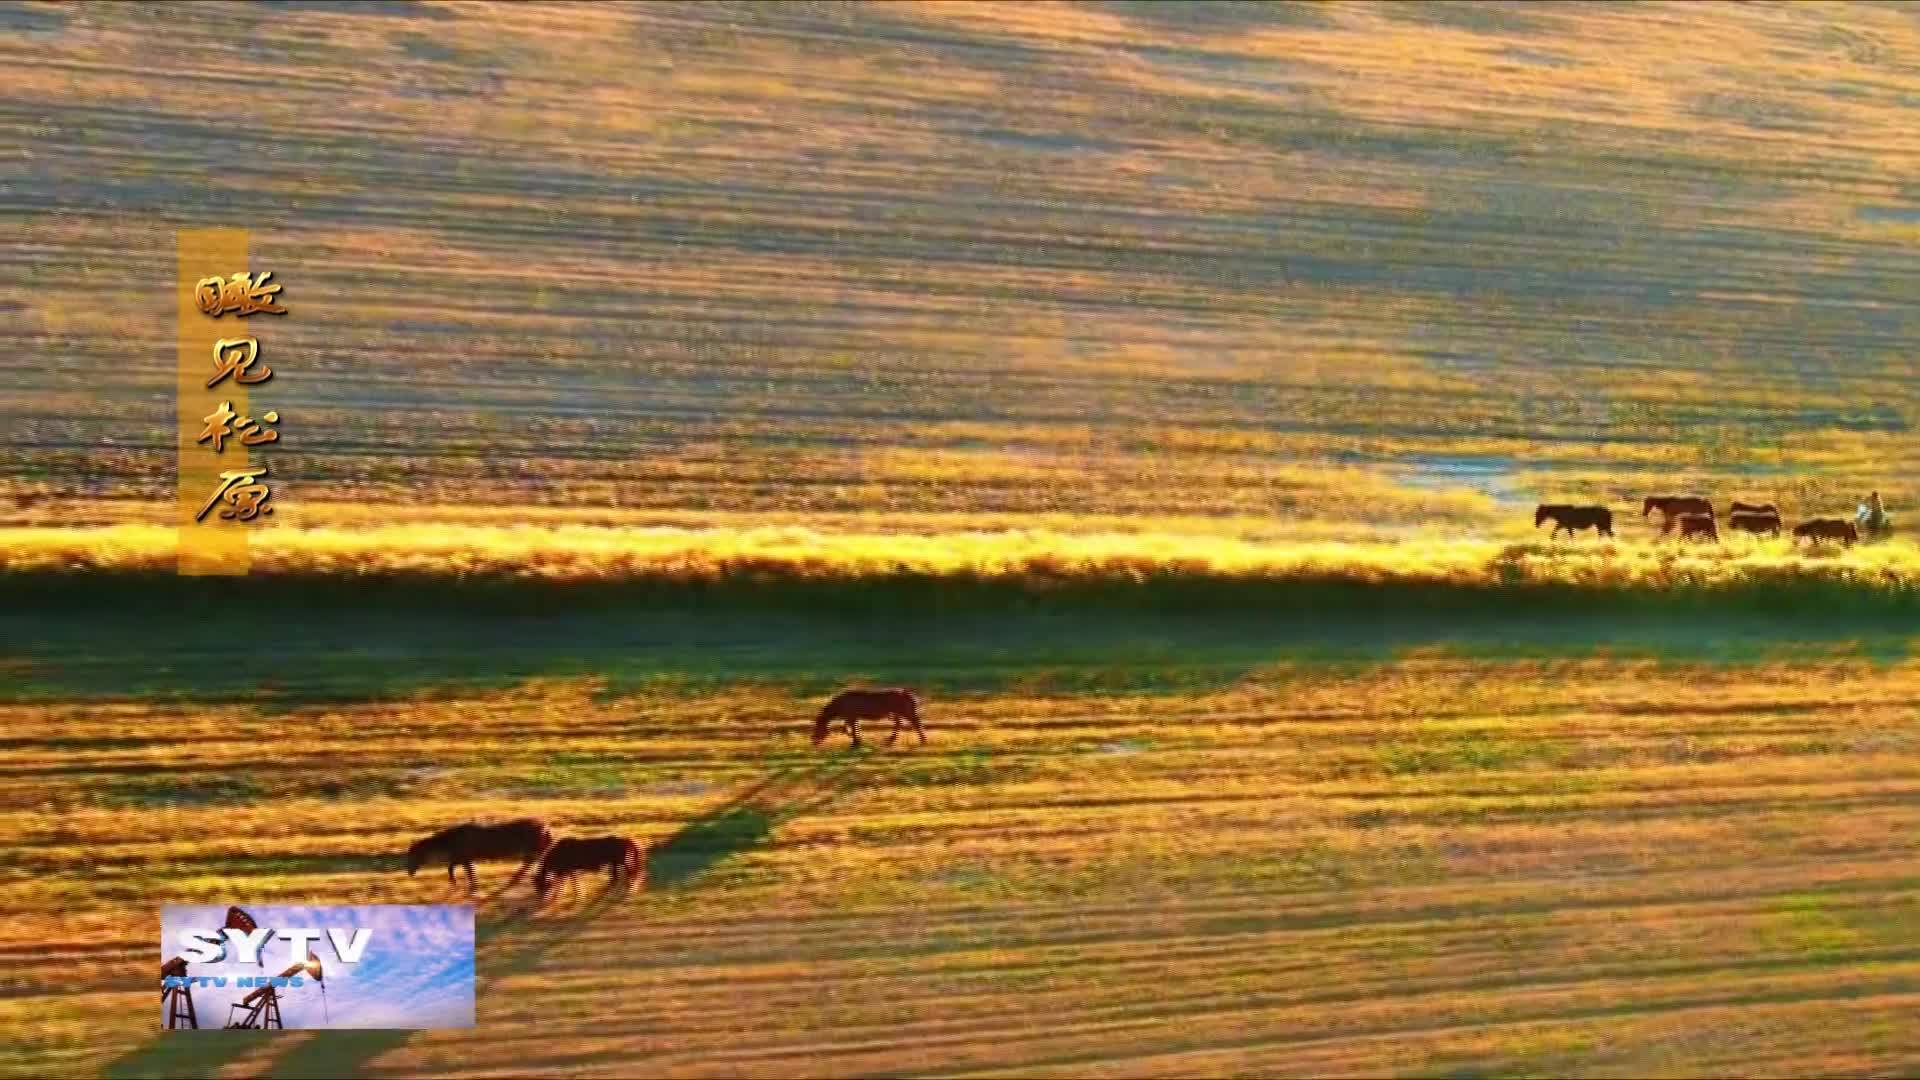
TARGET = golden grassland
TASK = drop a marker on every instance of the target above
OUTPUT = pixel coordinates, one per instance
(772, 555)
(1048, 293)
(1433, 864)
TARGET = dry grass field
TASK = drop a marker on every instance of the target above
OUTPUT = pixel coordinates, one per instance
(1162, 390)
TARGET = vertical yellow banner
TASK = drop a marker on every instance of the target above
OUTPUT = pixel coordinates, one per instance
(209, 546)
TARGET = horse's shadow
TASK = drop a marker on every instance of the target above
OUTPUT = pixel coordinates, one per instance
(747, 819)
(329, 1055)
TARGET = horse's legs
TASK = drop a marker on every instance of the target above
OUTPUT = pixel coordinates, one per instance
(473, 883)
(897, 725)
(450, 866)
(921, 731)
(853, 729)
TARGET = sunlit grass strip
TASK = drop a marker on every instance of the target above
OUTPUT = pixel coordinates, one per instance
(772, 565)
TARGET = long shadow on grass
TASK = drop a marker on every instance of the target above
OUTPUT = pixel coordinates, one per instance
(746, 820)
(361, 656)
(187, 1055)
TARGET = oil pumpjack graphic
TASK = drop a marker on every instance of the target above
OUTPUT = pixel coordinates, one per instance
(178, 997)
(260, 1009)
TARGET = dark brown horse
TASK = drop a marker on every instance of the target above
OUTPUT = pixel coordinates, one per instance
(1758, 524)
(1574, 518)
(1672, 506)
(617, 855)
(856, 705)
(1753, 508)
(1697, 527)
(1827, 529)
(526, 839)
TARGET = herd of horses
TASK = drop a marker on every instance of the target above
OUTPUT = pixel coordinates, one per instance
(1694, 518)
(556, 859)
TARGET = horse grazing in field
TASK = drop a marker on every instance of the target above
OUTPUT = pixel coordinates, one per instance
(1697, 527)
(1758, 524)
(1827, 529)
(1574, 518)
(853, 706)
(1673, 506)
(617, 855)
(526, 839)
(1753, 508)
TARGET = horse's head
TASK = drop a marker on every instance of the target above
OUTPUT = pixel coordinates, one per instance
(1649, 505)
(820, 725)
(1539, 514)
(416, 856)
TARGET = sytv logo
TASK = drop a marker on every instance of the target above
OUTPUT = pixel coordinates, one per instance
(201, 946)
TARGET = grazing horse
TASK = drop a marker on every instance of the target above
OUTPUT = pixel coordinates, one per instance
(856, 705)
(1753, 508)
(1672, 506)
(1827, 529)
(526, 839)
(1574, 518)
(1756, 523)
(617, 855)
(1697, 527)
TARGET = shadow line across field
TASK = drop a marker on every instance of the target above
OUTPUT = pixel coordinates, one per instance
(344, 656)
